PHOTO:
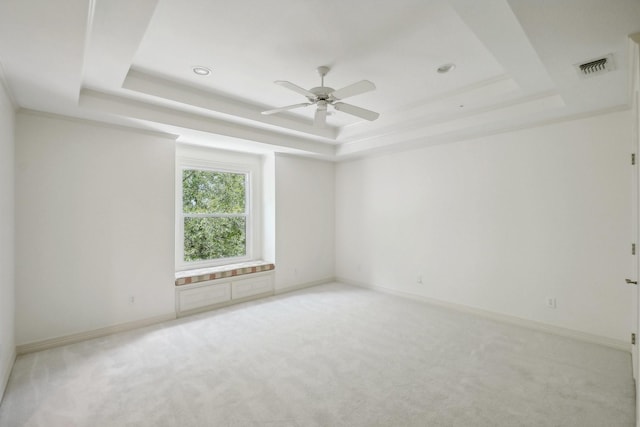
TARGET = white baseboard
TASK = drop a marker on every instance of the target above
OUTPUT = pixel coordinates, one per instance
(7, 374)
(96, 333)
(304, 285)
(529, 324)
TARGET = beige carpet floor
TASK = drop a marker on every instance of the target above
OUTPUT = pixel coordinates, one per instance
(332, 355)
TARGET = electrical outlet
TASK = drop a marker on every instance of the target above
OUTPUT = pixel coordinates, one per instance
(419, 279)
(551, 302)
(132, 299)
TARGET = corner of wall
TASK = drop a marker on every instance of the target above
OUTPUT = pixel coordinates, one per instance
(7, 374)
(269, 208)
(7, 234)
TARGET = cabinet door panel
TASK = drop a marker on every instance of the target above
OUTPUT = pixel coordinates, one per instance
(204, 296)
(254, 286)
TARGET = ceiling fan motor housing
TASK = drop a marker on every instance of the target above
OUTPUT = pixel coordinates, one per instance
(321, 93)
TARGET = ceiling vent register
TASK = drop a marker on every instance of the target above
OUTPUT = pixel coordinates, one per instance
(595, 67)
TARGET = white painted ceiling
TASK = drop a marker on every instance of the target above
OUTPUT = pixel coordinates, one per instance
(130, 63)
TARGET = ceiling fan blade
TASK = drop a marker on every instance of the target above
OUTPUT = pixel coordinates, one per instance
(320, 119)
(295, 88)
(356, 111)
(353, 89)
(288, 107)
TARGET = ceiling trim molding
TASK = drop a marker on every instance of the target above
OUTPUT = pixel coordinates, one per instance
(157, 134)
(415, 111)
(483, 84)
(563, 119)
(7, 89)
(110, 70)
(425, 142)
(483, 17)
(633, 52)
(87, 39)
(483, 116)
(124, 107)
(148, 84)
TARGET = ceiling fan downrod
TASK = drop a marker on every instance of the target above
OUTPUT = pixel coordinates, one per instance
(322, 70)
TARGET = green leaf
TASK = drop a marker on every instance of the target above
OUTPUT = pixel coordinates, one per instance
(213, 192)
(214, 238)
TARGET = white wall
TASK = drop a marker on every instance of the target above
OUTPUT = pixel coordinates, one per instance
(7, 271)
(500, 223)
(95, 221)
(305, 218)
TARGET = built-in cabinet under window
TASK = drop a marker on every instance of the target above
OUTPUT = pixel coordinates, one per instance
(210, 294)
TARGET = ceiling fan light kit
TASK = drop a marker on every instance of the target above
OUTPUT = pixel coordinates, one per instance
(323, 96)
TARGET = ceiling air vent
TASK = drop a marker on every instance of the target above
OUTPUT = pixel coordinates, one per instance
(595, 67)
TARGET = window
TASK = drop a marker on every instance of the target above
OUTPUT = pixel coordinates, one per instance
(214, 214)
(217, 208)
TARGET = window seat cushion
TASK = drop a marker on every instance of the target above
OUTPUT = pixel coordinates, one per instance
(221, 272)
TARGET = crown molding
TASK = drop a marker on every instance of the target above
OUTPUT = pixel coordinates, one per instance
(99, 123)
(176, 120)
(230, 108)
(424, 142)
(7, 89)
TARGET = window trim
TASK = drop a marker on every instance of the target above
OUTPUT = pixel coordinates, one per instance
(251, 169)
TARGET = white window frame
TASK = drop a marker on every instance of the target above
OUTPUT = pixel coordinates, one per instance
(202, 159)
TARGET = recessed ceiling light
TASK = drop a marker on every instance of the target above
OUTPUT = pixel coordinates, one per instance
(446, 68)
(201, 71)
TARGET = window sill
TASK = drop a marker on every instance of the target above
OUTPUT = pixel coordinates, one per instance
(221, 272)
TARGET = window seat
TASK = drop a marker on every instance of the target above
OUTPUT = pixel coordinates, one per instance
(221, 272)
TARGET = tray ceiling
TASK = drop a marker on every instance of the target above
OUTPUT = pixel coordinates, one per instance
(131, 63)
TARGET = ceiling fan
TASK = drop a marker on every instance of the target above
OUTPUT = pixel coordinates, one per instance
(323, 96)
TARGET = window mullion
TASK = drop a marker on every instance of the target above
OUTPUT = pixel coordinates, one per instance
(216, 215)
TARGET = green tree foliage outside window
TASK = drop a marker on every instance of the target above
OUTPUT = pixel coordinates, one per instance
(214, 212)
